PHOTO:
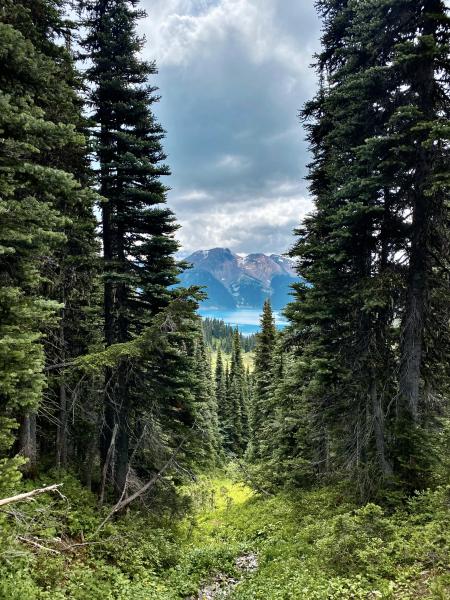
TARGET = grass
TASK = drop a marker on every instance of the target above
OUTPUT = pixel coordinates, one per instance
(311, 545)
(248, 359)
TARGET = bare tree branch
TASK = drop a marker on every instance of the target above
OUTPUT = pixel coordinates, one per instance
(37, 545)
(123, 503)
(107, 463)
(27, 495)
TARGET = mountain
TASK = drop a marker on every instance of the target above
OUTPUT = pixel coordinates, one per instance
(233, 281)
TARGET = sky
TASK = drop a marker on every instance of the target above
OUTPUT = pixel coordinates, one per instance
(233, 75)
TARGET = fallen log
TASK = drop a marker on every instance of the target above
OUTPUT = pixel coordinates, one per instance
(27, 495)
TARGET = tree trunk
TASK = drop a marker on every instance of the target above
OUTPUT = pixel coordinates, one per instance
(122, 450)
(61, 432)
(412, 346)
(27, 443)
(379, 429)
(108, 306)
(419, 266)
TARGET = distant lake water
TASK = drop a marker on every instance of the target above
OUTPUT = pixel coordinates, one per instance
(246, 319)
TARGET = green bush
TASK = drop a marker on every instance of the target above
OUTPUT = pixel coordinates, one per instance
(311, 545)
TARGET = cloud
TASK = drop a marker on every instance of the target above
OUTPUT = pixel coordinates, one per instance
(233, 162)
(233, 75)
(262, 224)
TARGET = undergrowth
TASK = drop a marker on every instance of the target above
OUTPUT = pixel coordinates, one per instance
(312, 545)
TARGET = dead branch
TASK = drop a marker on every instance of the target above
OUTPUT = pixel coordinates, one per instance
(27, 495)
(123, 503)
(107, 463)
(37, 545)
(62, 365)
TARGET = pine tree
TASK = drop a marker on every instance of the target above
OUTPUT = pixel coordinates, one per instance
(30, 227)
(421, 63)
(364, 130)
(206, 405)
(238, 410)
(138, 229)
(69, 273)
(221, 396)
(226, 413)
(264, 351)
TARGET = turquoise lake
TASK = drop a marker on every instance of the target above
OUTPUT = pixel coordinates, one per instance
(246, 319)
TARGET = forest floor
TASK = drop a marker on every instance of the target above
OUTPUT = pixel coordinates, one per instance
(316, 546)
(234, 544)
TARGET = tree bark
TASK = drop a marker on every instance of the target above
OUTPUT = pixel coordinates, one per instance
(28, 444)
(419, 266)
(122, 449)
(61, 433)
(379, 429)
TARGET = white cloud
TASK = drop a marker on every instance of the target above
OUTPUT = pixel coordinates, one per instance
(233, 162)
(268, 227)
(194, 196)
(184, 30)
(233, 75)
(262, 224)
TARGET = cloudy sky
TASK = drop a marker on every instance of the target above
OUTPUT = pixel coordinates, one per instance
(233, 75)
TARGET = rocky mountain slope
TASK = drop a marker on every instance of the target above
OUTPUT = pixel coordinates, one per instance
(233, 281)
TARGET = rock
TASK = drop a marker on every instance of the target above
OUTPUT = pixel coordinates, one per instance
(223, 584)
(248, 562)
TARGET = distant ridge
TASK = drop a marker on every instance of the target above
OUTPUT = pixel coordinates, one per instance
(234, 281)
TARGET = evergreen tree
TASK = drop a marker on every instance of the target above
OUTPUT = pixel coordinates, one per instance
(219, 334)
(238, 410)
(226, 413)
(138, 230)
(206, 411)
(365, 127)
(259, 408)
(221, 395)
(31, 181)
(69, 272)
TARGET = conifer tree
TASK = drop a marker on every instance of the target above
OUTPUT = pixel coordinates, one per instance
(138, 229)
(70, 270)
(226, 413)
(221, 395)
(238, 409)
(206, 405)
(365, 127)
(30, 225)
(264, 351)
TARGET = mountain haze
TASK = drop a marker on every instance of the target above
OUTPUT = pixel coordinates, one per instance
(234, 281)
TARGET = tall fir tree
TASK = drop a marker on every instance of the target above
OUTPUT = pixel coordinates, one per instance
(34, 183)
(206, 404)
(221, 396)
(138, 229)
(69, 273)
(259, 409)
(238, 410)
(365, 127)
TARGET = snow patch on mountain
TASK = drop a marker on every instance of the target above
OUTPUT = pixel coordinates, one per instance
(245, 280)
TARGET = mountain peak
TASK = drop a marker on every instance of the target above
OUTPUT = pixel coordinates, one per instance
(245, 280)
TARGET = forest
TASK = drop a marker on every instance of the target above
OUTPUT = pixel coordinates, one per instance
(146, 454)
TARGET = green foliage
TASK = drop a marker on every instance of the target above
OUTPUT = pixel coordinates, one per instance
(311, 545)
(235, 413)
(261, 405)
(219, 335)
(369, 326)
(30, 223)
